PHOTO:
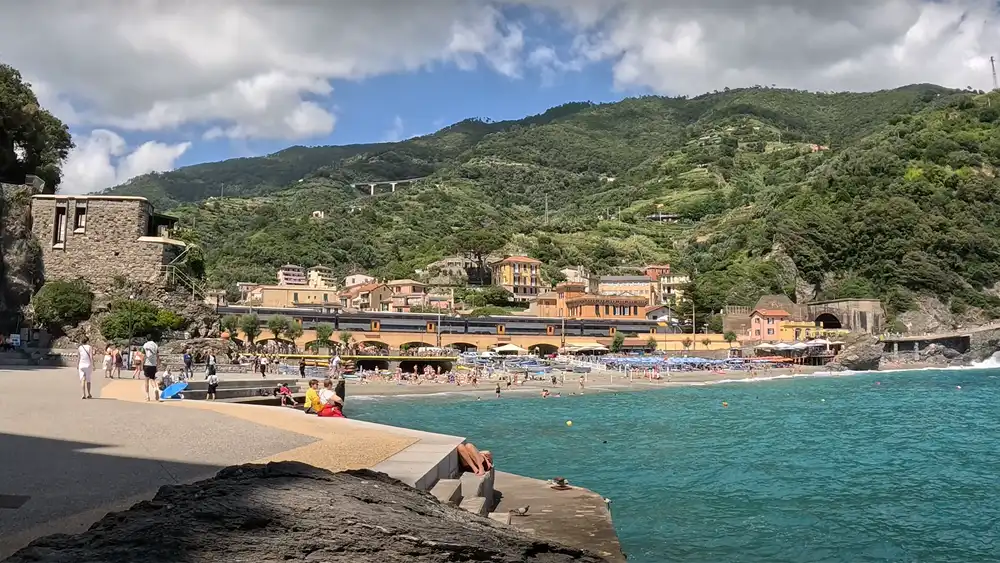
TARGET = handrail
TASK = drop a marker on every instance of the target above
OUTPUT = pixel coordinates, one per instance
(176, 275)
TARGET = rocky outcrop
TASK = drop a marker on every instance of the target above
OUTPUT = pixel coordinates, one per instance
(200, 348)
(289, 511)
(20, 256)
(863, 353)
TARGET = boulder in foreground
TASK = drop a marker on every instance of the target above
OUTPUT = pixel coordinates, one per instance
(289, 511)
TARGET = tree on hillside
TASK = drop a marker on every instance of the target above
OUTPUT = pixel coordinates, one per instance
(477, 244)
(129, 318)
(250, 326)
(32, 140)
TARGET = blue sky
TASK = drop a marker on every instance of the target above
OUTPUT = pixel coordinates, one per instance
(425, 101)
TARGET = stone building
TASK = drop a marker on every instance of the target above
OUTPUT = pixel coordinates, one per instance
(99, 238)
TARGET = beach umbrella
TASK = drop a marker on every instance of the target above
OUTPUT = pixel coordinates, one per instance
(818, 342)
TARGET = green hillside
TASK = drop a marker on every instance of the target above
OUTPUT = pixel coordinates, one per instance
(903, 202)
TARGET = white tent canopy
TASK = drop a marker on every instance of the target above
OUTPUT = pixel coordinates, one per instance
(765, 346)
(509, 348)
(818, 342)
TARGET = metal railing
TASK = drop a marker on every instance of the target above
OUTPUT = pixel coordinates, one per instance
(176, 277)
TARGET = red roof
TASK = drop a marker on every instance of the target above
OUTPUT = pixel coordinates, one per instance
(770, 313)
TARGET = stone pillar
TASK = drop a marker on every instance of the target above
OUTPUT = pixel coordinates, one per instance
(895, 349)
(393, 185)
(916, 350)
(371, 188)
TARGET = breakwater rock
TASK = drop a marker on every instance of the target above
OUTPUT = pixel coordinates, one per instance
(290, 511)
(861, 354)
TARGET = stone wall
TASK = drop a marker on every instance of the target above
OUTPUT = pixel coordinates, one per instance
(107, 247)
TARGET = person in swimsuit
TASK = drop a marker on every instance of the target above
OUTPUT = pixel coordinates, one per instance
(478, 462)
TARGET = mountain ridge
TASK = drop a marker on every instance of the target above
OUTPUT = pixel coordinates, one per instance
(764, 180)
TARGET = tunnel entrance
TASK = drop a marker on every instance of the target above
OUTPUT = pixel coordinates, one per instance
(828, 320)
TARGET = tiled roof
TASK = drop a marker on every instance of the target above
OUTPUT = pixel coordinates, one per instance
(405, 282)
(520, 259)
(771, 313)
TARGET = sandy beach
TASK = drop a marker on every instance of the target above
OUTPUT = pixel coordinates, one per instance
(596, 382)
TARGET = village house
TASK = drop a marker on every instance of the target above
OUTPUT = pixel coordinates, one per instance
(102, 238)
(520, 275)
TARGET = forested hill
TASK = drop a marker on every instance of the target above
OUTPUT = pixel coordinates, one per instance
(889, 194)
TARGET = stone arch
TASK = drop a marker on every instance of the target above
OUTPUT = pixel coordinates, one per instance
(543, 348)
(828, 320)
(464, 346)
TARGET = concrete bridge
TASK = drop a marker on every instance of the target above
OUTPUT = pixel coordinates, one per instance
(370, 187)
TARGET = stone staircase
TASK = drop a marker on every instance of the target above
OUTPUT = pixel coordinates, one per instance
(16, 358)
(432, 465)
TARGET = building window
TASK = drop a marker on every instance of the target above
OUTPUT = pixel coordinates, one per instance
(597, 310)
(770, 332)
(295, 297)
(326, 297)
(376, 326)
(59, 236)
(80, 219)
(635, 311)
(607, 309)
(756, 332)
(770, 321)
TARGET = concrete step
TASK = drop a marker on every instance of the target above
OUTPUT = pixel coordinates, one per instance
(16, 361)
(478, 485)
(475, 505)
(423, 464)
(448, 491)
(502, 517)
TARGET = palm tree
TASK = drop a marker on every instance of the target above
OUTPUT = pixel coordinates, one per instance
(277, 325)
(687, 342)
(345, 339)
(706, 342)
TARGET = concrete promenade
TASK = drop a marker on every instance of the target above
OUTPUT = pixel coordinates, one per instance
(67, 461)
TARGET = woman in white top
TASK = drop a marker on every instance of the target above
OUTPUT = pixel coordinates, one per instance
(85, 366)
(107, 361)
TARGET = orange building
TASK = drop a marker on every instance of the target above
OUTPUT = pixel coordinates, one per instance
(656, 272)
(571, 300)
(765, 324)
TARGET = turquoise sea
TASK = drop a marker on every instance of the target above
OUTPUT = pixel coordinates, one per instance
(889, 466)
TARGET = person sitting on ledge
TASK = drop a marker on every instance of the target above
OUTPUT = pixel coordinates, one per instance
(313, 404)
(331, 402)
(470, 458)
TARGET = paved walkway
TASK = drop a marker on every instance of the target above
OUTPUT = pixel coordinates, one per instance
(68, 461)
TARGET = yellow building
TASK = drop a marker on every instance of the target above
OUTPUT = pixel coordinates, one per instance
(798, 331)
(519, 275)
(321, 277)
(633, 286)
(290, 296)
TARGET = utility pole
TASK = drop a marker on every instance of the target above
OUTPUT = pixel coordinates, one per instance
(993, 65)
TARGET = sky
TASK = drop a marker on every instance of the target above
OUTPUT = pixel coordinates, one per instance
(152, 85)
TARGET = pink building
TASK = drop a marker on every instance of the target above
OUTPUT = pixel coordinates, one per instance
(410, 294)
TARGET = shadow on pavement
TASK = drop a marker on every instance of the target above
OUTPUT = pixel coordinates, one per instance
(53, 486)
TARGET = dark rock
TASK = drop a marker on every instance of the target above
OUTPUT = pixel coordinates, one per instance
(290, 511)
(864, 353)
(20, 256)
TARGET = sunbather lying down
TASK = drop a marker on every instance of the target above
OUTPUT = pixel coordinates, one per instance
(478, 462)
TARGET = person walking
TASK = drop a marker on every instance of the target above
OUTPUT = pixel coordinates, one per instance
(108, 359)
(151, 356)
(85, 366)
(188, 372)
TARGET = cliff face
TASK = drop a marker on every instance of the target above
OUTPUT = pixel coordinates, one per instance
(20, 256)
(289, 511)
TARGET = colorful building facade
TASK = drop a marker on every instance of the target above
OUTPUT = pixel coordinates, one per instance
(520, 275)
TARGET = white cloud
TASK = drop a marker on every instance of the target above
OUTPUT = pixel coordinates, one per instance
(103, 159)
(239, 69)
(395, 132)
(671, 46)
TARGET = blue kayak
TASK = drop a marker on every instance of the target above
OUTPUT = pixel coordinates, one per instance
(173, 390)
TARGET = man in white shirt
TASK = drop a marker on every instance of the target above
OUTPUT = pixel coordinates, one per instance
(85, 366)
(151, 355)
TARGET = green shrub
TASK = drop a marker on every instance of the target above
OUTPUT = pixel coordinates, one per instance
(129, 318)
(60, 303)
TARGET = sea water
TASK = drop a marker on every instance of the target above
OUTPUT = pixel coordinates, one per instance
(890, 466)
